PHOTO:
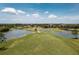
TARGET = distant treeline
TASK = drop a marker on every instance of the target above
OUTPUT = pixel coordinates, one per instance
(44, 25)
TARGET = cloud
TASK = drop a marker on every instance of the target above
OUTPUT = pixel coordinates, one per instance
(76, 17)
(36, 15)
(27, 15)
(9, 10)
(52, 16)
(12, 10)
(21, 12)
(46, 12)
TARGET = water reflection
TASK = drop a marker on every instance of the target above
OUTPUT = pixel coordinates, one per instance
(75, 33)
(2, 42)
(15, 33)
(2, 37)
(68, 34)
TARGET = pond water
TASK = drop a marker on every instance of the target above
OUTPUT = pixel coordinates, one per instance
(66, 34)
(16, 33)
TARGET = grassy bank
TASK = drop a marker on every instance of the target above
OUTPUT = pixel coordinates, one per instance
(41, 43)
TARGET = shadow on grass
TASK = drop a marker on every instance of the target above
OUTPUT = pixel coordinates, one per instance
(3, 48)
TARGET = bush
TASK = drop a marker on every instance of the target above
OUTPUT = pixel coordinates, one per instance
(4, 29)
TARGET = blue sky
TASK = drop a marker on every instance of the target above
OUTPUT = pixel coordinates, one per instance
(39, 13)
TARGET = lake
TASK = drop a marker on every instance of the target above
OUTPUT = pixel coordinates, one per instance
(66, 34)
(16, 33)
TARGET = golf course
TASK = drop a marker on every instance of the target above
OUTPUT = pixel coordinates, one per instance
(39, 29)
(43, 43)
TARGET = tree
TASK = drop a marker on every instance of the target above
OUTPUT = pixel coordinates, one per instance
(75, 33)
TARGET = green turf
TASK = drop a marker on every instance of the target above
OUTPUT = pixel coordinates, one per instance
(43, 43)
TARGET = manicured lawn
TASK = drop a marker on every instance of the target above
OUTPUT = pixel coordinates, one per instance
(42, 43)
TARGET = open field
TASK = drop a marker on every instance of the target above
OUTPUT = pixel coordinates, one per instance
(41, 43)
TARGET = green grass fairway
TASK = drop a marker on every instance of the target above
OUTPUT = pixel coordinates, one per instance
(43, 43)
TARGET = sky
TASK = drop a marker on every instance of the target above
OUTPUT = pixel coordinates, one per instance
(39, 13)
